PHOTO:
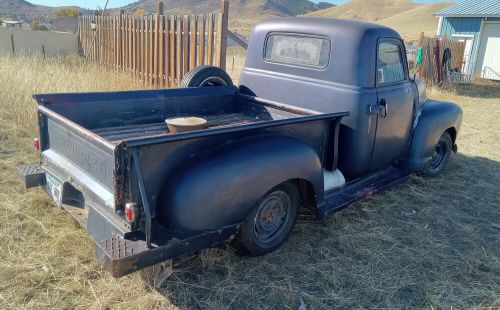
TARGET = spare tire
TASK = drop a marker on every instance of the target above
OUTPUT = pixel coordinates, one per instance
(206, 76)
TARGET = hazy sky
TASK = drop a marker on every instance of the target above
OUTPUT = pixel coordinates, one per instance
(92, 4)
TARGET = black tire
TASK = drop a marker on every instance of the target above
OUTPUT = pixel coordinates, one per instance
(265, 229)
(440, 157)
(206, 76)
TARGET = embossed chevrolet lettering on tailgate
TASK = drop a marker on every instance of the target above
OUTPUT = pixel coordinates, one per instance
(82, 153)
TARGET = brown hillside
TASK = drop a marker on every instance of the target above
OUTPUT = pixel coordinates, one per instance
(370, 10)
(24, 10)
(243, 14)
(237, 7)
(9, 7)
(410, 23)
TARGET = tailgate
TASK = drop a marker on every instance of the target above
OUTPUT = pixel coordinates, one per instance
(75, 155)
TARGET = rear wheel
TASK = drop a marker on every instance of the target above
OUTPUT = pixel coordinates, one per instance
(441, 156)
(206, 76)
(270, 223)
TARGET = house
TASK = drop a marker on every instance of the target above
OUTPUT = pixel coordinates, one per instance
(477, 23)
(11, 23)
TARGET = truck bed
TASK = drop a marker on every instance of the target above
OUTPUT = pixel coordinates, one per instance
(117, 117)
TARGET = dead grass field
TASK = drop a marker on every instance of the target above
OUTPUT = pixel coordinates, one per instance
(427, 244)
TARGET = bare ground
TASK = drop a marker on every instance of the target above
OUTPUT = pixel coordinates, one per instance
(428, 243)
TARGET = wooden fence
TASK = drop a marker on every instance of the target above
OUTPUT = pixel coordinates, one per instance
(158, 49)
(432, 69)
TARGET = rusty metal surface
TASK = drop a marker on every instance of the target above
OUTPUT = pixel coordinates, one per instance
(122, 256)
(79, 214)
(118, 176)
(280, 106)
(363, 188)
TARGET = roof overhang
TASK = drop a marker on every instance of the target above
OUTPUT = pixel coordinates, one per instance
(468, 15)
(11, 22)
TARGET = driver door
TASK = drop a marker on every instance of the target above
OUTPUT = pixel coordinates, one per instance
(394, 107)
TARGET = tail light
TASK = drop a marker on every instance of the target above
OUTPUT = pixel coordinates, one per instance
(130, 212)
(36, 144)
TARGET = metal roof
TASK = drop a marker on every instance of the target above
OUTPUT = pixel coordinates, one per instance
(472, 8)
(11, 22)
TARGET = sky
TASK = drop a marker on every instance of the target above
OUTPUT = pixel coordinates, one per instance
(92, 4)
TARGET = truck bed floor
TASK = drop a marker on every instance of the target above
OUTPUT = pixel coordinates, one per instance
(119, 133)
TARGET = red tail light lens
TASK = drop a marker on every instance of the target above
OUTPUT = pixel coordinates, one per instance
(36, 144)
(130, 212)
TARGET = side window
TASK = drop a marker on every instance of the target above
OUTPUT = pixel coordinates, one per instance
(390, 64)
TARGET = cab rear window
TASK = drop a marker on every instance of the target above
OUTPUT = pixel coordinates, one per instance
(298, 50)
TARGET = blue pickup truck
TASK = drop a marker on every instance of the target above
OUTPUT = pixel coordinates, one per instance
(326, 114)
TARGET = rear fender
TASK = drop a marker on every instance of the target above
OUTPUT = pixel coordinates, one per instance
(220, 187)
(433, 120)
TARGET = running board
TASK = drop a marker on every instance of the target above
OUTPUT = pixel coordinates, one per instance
(354, 191)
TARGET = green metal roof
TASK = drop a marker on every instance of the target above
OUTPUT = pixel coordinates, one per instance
(472, 8)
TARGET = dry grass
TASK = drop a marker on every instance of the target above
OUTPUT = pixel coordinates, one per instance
(377, 254)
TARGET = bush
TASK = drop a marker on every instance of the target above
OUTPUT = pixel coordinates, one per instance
(34, 23)
(71, 12)
(139, 12)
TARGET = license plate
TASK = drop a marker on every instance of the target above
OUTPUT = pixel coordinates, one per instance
(54, 187)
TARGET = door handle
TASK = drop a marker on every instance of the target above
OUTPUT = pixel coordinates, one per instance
(381, 108)
(384, 108)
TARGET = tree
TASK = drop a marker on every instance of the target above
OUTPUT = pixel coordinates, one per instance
(34, 23)
(139, 12)
(70, 12)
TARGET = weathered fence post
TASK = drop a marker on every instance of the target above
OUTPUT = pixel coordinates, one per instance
(12, 42)
(225, 22)
(438, 62)
(120, 40)
(159, 48)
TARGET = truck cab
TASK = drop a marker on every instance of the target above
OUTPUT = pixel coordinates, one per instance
(344, 65)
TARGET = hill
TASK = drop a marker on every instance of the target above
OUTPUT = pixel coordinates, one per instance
(410, 23)
(24, 10)
(237, 7)
(21, 7)
(243, 14)
(368, 10)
